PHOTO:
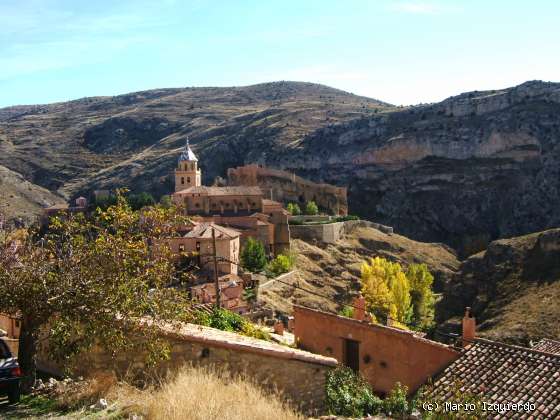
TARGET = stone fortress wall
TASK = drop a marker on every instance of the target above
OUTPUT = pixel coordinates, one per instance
(287, 187)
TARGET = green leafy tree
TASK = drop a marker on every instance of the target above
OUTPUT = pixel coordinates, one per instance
(311, 208)
(138, 201)
(294, 209)
(90, 281)
(422, 296)
(253, 256)
(281, 264)
(165, 201)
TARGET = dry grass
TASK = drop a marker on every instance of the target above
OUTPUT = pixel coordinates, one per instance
(196, 393)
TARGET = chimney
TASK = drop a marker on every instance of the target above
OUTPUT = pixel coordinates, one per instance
(359, 308)
(279, 328)
(469, 327)
(291, 324)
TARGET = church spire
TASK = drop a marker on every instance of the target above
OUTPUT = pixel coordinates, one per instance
(187, 154)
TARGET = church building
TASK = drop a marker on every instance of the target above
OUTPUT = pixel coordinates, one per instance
(243, 208)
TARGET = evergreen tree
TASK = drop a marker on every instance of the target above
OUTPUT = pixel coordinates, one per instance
(294, 209)
(253, 256)
(422, 296)
(311, 208)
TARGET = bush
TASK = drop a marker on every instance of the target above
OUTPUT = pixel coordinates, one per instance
(311, 208)
(166, 201)
(396, 404)
(348, 394)
(347, 311)
(225, 320)
(281, 264)
(294, 209)
(253, 256)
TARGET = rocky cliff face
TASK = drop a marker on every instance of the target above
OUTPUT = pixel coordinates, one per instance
(512, 287)
(473, 168)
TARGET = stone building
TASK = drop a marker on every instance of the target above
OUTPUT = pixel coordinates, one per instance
(240, 207)
(287, 187)
(199, 242)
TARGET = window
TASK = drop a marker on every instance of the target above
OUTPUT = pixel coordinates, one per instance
(188, 180)
(182, 180)
(197, 205)
(181, 248)
(213, 205)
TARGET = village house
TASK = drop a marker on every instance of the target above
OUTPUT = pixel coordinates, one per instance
(231, 294)
(80, 206)
(495, 372)
(383, 355)
(199, 243)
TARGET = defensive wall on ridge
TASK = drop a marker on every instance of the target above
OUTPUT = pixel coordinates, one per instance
(288, 187)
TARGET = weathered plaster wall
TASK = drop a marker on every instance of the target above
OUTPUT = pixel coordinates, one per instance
(386, 355)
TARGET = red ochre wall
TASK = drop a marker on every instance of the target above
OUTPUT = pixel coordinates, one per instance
(386, 355)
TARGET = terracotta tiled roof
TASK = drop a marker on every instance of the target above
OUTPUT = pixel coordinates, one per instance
(222, 191)
(547, 345)
(501, 373)
(204, 231)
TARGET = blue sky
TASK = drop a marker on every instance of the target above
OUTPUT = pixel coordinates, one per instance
(403, 52)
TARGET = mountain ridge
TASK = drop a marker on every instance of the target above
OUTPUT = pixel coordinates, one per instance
(473, 168)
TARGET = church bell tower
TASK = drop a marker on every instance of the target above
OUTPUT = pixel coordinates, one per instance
(187, 173)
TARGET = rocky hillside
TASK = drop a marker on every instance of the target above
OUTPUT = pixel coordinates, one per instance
(513, 288)
(473, 168)
(133, 140)
(332, 272)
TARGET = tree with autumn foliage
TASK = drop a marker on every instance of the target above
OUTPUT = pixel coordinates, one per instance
(91, 280)
(404, 297)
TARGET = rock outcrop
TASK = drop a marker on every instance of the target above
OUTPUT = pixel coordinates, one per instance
(468, 170)
(512, 287)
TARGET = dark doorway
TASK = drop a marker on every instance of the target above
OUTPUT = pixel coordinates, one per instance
(352, 354)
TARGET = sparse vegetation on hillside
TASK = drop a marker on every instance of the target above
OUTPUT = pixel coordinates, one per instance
(333, 270)
(281, 264)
